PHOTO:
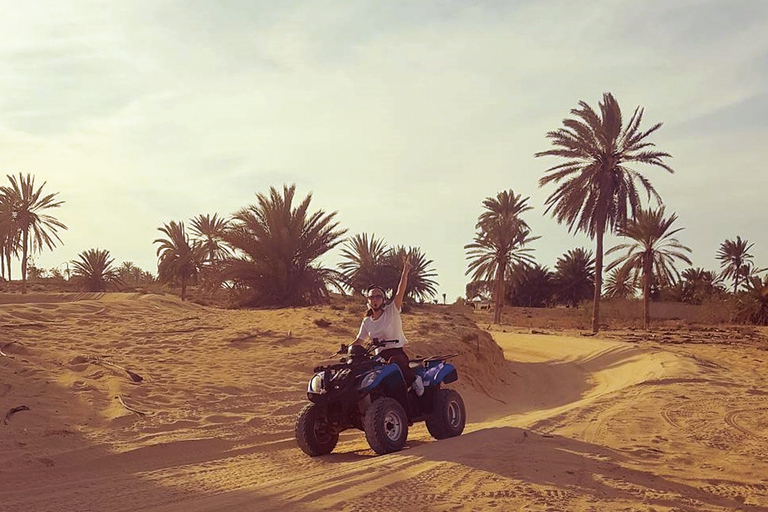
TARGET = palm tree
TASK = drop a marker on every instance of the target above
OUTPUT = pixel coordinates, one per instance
(420, 283)
(698, 284)
(752, 305)
(596, 189)
(479, 288)
(733, 256)
(35, 228)
(364, 263)
(651, 256)
(209, 231)
(278, 245)
(619, 285)
(178, 260)
(532, 286)
(131, 274)
(574, 279)
(209, 234)
(94, 270)
(7, 242)
(500, 244)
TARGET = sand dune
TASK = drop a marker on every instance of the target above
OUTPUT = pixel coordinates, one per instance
(142, 402)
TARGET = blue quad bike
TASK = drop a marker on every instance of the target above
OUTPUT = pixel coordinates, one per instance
(367, 393)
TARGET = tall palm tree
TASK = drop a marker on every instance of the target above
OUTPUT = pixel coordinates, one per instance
(35, 228)
(574, 279)
(500, 244)
(734, 256)
(278, 245)
(7, 235)
(596, 189)
(651, 256)
(364, 262)
(178, 259)
(94, 271)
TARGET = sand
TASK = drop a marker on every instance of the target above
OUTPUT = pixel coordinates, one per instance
(141, 402)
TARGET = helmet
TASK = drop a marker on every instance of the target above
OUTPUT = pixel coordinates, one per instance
(376, 287)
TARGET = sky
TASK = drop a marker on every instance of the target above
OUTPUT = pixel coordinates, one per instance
(400, 116)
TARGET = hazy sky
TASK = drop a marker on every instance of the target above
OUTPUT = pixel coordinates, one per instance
(400, 115)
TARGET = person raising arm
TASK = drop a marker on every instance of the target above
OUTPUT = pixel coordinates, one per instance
(382, 322)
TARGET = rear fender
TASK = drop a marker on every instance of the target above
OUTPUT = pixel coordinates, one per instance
(441, 372)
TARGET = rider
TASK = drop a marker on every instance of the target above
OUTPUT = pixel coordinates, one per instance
(382, 322)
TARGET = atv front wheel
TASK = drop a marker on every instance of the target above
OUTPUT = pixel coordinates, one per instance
(448, 416)
(386, 425)
(314, 435)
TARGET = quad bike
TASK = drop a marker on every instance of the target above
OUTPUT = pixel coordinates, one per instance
(365, 392)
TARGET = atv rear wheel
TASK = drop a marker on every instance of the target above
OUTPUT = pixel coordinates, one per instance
(314, 435)
(448, 416)
(386, 425)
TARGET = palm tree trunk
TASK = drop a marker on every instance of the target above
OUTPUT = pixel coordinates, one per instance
(598, 278)
(499, 281)
(183, 287)
(647, 270)
(24, 256)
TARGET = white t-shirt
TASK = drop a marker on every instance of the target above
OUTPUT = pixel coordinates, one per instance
(388, 327)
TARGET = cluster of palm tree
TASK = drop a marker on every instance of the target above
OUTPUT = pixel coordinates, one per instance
(533, 285)
(25, 227)
(597, 191)
(269, 254)
(94, 270)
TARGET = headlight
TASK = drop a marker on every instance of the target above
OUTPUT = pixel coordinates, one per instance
(316, 384)
(368, 379)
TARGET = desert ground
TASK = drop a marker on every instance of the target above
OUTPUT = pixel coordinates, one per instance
(130, 402)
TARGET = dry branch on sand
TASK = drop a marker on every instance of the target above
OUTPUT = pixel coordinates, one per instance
(135, 411)
(135, 377)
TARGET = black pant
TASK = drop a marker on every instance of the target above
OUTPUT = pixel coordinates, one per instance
(400, 358)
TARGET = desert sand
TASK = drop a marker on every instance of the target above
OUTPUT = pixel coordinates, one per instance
(120, 402)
